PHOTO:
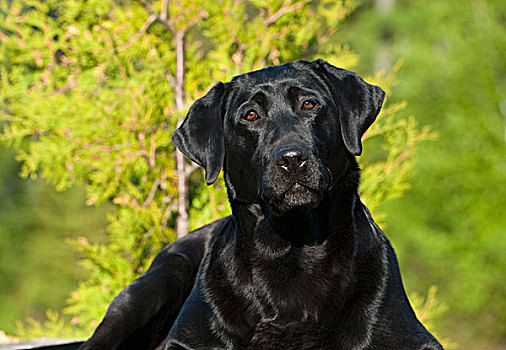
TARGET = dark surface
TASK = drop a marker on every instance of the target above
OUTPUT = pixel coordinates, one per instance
(300, 264)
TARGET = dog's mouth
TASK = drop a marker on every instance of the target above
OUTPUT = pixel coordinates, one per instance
(296, 195)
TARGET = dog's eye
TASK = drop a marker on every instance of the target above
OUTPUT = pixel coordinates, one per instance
(251, 116)
(308, 105)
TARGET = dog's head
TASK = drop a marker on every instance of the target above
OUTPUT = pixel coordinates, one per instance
(283, 134)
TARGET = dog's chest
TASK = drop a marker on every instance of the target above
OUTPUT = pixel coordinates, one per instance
(292, 298)
(294, 287)
(293, 336)
(284, 301)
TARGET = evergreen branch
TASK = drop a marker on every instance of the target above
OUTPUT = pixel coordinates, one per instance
(124, 75)
(139, 33)
(142, 254)
(407, 151)
(322, 39)
(237, 57)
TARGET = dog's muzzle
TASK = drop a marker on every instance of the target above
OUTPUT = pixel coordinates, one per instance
(295, 180)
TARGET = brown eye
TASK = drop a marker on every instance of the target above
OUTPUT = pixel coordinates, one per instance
(251, 116)
(308, 105)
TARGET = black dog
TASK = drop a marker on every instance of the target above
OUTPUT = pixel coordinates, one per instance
(300, 264)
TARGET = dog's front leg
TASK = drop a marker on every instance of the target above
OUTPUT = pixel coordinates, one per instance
(141, 316)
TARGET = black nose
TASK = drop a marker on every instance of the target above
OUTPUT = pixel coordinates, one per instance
(292, 158)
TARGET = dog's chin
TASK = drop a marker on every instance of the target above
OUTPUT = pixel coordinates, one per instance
(298, 197)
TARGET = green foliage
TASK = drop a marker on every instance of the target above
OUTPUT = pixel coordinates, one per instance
(207, 206)
(89, 88)
(390, 145)
(429, 311)
(54, 324)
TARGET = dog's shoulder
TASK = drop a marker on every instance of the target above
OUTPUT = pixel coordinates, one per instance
(196, 243)
(192, 329)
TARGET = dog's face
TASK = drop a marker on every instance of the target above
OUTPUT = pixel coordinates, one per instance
(284, 134)
(276, 127)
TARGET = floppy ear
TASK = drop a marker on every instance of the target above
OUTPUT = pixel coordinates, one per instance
(359, 103)
(200, 136)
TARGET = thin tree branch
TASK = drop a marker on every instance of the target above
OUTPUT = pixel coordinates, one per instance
(168, 23)
(182, 209)
(121, 68)
(152, 150)
(72, 83)
(139, 33)
(170, 208)
(237, 57)
(179, 82)
(146, 249)
(163, 12)
(152, 193)
(142, 137)
(163, 177)
(285, 8)
(190, 169)
(170, 79)
(399, 159)
(123, 72)
(194, 20)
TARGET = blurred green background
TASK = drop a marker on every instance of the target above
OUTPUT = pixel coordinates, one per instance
(448, 228)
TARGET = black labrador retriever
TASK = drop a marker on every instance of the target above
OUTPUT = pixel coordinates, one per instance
(300, 264)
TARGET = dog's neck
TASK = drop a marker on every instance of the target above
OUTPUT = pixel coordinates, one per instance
(300, 226)
(323, 240)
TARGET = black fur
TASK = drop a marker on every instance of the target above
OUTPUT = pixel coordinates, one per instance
(300, 264)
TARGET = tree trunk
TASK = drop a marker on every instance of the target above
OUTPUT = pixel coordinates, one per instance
(182, 222)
